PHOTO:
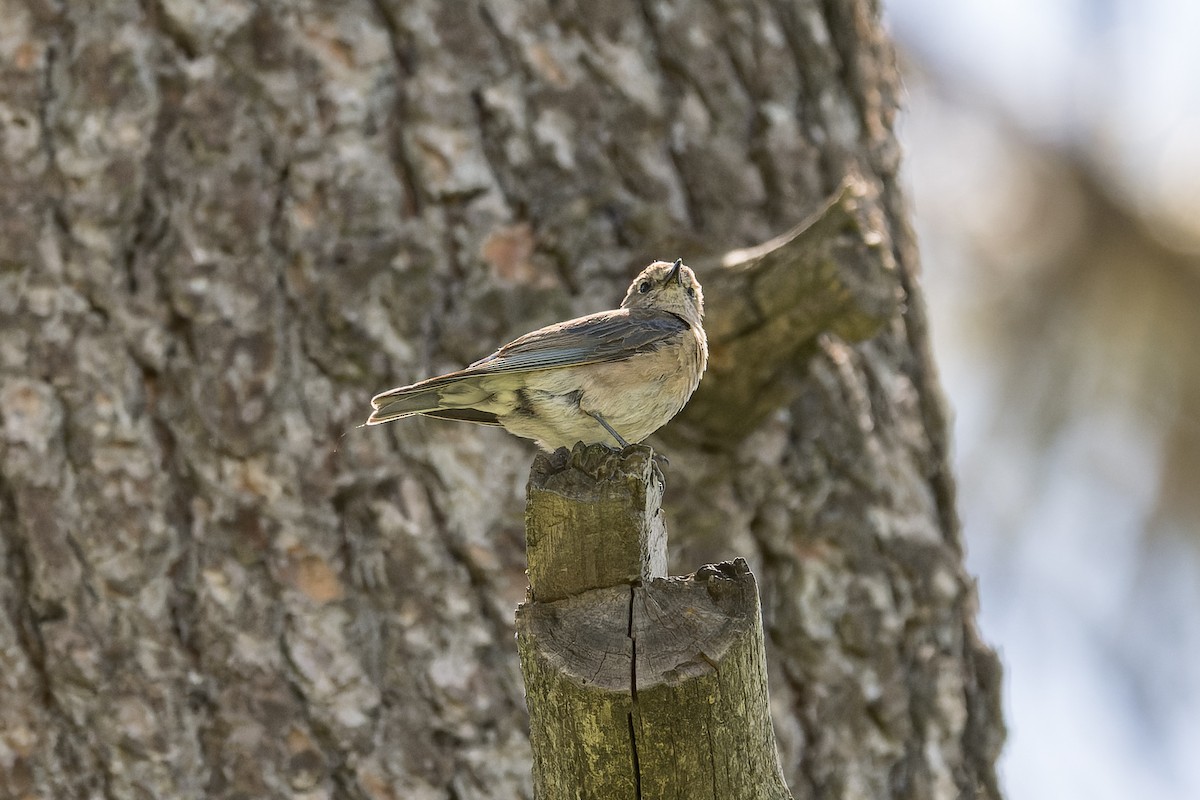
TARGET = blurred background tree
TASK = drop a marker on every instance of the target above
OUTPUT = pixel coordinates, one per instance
(1055, 167)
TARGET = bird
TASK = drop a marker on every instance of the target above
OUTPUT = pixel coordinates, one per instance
(613, 377)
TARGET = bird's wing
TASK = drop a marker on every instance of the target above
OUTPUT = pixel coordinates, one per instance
(606, 336)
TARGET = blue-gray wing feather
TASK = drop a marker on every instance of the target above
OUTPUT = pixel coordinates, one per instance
(607, 336)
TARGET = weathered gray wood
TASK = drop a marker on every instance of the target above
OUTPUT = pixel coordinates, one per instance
(654, 687)
(576, 658)
(701, 712)
(593, 518)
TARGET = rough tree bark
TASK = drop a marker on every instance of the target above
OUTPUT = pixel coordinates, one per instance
(225, 224)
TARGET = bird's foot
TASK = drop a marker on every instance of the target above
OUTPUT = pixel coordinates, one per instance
(624, 445)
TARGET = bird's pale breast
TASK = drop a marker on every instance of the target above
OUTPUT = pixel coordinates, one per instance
(637, 395)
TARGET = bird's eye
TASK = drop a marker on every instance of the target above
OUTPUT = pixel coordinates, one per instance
(644, 287)
(691, 291)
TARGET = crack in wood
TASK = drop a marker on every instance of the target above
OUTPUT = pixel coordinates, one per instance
(633, 745)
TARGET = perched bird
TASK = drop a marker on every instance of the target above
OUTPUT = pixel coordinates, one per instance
(612, 377)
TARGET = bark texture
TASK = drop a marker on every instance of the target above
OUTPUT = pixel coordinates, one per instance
(225, 224)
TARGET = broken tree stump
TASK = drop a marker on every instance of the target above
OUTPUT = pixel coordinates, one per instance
(639, 685)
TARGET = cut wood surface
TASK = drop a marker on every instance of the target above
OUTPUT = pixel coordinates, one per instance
(651, 687)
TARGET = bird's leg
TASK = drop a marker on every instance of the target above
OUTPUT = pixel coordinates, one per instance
(596, 416)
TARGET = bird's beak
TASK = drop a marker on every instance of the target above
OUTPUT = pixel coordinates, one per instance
(676, 273)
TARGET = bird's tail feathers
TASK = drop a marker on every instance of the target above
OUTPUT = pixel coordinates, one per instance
(404, 402)
(439, 397)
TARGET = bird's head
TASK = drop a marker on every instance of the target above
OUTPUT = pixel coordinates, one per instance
(670, 287)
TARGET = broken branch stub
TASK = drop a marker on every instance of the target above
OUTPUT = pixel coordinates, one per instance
(654, 687)
(766, 305)
(593, 518)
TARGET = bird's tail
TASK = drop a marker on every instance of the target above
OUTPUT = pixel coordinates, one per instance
(463, 398)
(402, 402)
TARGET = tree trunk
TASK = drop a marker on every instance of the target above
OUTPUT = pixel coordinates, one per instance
(225, 225)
